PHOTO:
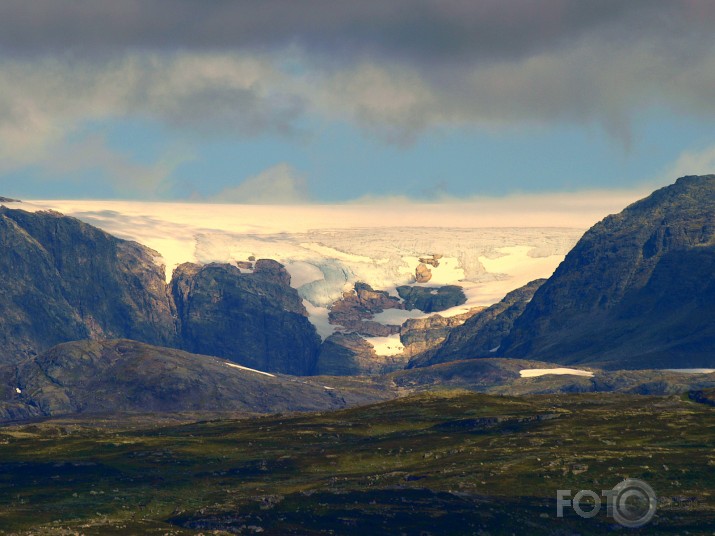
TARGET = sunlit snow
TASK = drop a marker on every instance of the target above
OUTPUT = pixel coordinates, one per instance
(692, 370)
(234, 365)
(386, 346)
(533, 373)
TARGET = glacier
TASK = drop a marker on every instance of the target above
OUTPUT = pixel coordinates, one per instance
(327, 249)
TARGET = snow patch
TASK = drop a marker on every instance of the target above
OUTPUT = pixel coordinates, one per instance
(386, 346)
(692, 370)
(533, 373)
(397, 317)
(318, 316)
(234, 365)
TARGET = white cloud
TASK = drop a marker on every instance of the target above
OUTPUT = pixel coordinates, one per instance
(65, 160)
(44, 102)
(277, 185)
(693, 162)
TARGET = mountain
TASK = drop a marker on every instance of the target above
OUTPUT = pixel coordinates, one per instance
(64, 280)
(92, 377)
(637, 291)
(256, 319)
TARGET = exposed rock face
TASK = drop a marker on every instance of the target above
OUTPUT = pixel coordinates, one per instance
(419, 335)
(255, 319)
(355, 309)
(482, 333)
(432, 260)
(704, 396)
(637, 291)
(127, 376)
(348, 354)
(431, 300)
(422, 273)
(65, 280)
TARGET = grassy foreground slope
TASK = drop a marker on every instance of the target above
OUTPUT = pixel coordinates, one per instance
(434, 463)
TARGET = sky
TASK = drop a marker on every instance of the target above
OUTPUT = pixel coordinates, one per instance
(322, 102)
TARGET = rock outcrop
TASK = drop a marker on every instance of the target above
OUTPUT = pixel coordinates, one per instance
(9, 200)
(355, 309)
(419, 335)
(348, 354)
(422, 273)
(482, 333)
(637, 291)
(431, 300)
(256, 319)
(432, 260)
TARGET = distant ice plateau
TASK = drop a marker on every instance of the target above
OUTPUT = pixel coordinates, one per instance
(326, 249)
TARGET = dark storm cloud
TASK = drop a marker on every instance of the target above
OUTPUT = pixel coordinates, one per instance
(417, 30)
(395, 67)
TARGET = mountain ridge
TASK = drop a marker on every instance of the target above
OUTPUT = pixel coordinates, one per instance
(635, 292)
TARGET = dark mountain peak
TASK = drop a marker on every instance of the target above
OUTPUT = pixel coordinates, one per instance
(690, 191)
(66, 280)
(651, 265)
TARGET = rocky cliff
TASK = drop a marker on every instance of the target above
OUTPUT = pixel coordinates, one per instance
(65, 280)
(637, 291)
(256, 319)
(349, 354)
(420, 335)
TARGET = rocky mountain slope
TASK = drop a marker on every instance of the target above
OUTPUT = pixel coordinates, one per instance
(95, 378)
(481, 334)
(92, 377)
(65, 280)
(637, 291)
